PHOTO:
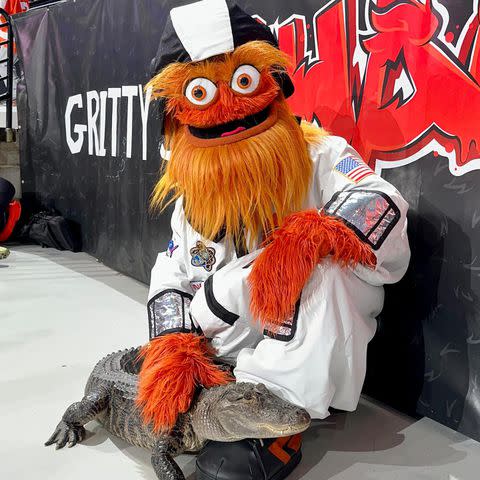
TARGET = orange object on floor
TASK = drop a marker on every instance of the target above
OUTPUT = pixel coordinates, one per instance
(174, 365)
(13, 214)
(279, 447)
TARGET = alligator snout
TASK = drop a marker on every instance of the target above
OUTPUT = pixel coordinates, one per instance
(297, 422)
(245, 410)
(303, 416)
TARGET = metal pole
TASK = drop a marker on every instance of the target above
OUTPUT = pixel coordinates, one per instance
(9, 95)
(9, 131)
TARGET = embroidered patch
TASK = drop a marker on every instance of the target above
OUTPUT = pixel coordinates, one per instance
(196, 286)
(171, 248)
(354, 170)
(203, 256)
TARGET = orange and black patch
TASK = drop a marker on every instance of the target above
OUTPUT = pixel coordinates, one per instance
(284, 447)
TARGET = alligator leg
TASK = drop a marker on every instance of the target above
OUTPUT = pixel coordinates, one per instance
(163, 462)
(70, 429)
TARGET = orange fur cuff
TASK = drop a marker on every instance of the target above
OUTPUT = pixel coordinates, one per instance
(280, 272)
(173, 366)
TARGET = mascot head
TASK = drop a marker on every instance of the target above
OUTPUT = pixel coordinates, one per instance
(237, 155)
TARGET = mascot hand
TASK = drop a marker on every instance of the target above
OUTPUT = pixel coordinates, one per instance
(291, 253)
(174, 365)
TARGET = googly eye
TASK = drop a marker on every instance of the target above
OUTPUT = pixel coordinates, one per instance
(201, 91)
(245, 79)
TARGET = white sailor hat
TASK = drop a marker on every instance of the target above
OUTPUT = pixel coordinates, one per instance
(203, 29)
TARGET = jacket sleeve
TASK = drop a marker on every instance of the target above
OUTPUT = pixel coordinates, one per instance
(170, 292)
(317, 358)
(370, 206)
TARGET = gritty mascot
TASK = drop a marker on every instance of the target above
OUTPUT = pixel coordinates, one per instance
(282, 239)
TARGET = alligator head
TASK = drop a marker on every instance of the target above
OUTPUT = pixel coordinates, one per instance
(244, 410)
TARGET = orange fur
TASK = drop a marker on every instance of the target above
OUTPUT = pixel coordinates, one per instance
(173, 366)
(280, 272)
(312, 134)
(172, 80)
(245, 184)
(240, 185)
(228, 105)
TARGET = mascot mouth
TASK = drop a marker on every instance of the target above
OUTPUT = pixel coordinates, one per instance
(231, 128)
(235, 130)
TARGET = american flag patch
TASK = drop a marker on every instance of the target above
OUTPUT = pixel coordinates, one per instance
(354, 170)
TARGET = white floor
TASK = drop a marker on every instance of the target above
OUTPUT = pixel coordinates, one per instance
(60, 312)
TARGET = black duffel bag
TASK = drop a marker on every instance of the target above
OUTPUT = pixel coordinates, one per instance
(52, 230)
(249, 459)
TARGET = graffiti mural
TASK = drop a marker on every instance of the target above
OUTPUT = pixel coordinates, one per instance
(391, 78)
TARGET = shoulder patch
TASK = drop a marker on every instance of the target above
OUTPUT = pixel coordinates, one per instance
(369, 213)
(353, 169)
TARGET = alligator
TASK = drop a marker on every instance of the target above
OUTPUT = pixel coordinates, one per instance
(225, 413)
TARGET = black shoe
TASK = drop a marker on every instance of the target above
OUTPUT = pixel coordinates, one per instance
(269, 459)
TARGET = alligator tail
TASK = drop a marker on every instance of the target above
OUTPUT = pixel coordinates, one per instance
(174, 365)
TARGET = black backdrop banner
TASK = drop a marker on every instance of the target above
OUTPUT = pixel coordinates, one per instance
(90, 141)
(399, 80)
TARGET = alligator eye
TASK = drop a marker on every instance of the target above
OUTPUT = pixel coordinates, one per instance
(245, 79)
(248, 396)
(261, 388)
(201, 91)
(233, 396)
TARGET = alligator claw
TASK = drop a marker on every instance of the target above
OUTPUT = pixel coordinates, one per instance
(66, 434)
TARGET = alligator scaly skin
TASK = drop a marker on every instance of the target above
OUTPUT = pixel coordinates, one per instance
(224, 413)
(117, 374)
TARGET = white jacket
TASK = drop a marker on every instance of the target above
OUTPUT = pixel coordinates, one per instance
(213, 272)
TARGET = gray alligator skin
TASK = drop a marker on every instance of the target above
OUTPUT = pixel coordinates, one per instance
(226, 413)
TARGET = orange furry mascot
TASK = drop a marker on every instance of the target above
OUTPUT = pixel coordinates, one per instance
(282, 235)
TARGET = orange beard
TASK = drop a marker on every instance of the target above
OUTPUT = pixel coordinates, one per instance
(251, 184)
